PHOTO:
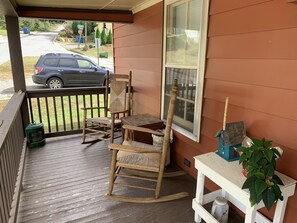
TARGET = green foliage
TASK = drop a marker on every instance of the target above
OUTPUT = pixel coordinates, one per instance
(260, 161)
(103, 37)
(90, 27)
(103, 54)
(67, 33)
(2, 22)
(34, 24)
(98, 33)
(109, 38)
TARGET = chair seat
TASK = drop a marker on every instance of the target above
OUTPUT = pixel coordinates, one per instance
(142, 159)
(103, 120)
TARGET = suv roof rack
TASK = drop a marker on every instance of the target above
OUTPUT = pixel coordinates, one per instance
(63, 54)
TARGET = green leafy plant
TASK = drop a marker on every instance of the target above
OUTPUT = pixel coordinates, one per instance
(103, 37)
(109, 37)
(259, 161)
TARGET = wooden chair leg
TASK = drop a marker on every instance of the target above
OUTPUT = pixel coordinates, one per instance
(84, 128)
(160, 177)
(158, 186)
(112, 128)
(112, 171)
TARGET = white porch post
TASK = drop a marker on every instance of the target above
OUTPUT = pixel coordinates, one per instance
(14, 42)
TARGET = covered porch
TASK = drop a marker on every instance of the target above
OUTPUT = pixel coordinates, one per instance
(65, 181)
(251, 62)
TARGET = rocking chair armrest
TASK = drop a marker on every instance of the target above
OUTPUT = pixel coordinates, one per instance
(90, 108)
(142, 129)
(132, 149)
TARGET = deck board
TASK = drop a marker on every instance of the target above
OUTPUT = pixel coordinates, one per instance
(65, 181)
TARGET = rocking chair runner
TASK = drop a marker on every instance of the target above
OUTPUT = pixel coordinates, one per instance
(102, 128)
(148, 159)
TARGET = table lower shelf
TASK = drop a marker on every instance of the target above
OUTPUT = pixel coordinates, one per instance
(210, 197)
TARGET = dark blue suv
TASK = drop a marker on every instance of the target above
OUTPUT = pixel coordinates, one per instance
(56, 70)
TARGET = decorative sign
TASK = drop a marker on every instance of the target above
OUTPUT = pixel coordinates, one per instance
(80, 26)
(97, 42)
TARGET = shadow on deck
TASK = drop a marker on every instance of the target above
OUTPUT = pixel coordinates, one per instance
(66, 181)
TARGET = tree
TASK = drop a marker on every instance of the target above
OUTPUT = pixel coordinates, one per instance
(109, 38)
(34, 24)
(98, 33)
(2, 22)
(103, 37)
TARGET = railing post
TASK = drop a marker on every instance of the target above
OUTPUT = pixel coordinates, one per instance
(25, 112)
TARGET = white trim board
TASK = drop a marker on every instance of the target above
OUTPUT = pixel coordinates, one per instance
(144, 5)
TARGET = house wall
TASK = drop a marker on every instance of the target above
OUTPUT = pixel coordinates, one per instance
(138, 47)
(251, 58)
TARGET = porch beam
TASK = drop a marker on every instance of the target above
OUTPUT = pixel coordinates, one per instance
(15, 50)
(8, 8)
(122, 16)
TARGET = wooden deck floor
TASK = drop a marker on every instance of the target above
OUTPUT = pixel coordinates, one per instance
(65, 181)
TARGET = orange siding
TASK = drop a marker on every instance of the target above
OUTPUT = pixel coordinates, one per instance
(251, 57)
(138, 47)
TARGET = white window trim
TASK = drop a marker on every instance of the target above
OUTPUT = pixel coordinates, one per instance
(195, 135)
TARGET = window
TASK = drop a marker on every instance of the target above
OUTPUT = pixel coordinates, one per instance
(66, 62)
(85, 64)
(51, 62)
(184, 59)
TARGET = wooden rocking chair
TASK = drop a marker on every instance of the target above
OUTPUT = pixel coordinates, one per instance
(148, 159)
(102, 128)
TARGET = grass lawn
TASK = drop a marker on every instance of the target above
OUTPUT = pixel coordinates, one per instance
(3, 32)
(29, 63)
(92, 52)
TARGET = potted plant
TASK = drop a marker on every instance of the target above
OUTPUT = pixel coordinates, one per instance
(259, 161)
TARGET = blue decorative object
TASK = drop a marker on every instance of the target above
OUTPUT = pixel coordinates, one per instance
(230, 139)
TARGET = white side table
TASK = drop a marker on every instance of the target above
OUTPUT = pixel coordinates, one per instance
(229, 177)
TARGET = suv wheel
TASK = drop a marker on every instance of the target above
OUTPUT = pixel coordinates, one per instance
(55, 83)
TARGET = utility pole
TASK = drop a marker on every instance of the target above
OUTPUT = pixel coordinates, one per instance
(86, 37)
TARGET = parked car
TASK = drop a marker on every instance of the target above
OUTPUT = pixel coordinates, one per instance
(57, 70)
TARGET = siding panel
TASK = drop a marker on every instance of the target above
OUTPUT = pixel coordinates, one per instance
(219, 6)
(138, 47)
(143, 21)
(252, 19)
(257, 98)
(264, 72)
(258, 124)
(139, 39)
(277, 44)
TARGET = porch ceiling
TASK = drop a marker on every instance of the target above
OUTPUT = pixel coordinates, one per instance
(86, 4)
(96, 10)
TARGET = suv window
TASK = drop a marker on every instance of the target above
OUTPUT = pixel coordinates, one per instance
(66, 62)
(51, 62)
(84, 64)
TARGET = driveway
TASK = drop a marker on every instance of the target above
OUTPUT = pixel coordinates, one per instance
(34, 45)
